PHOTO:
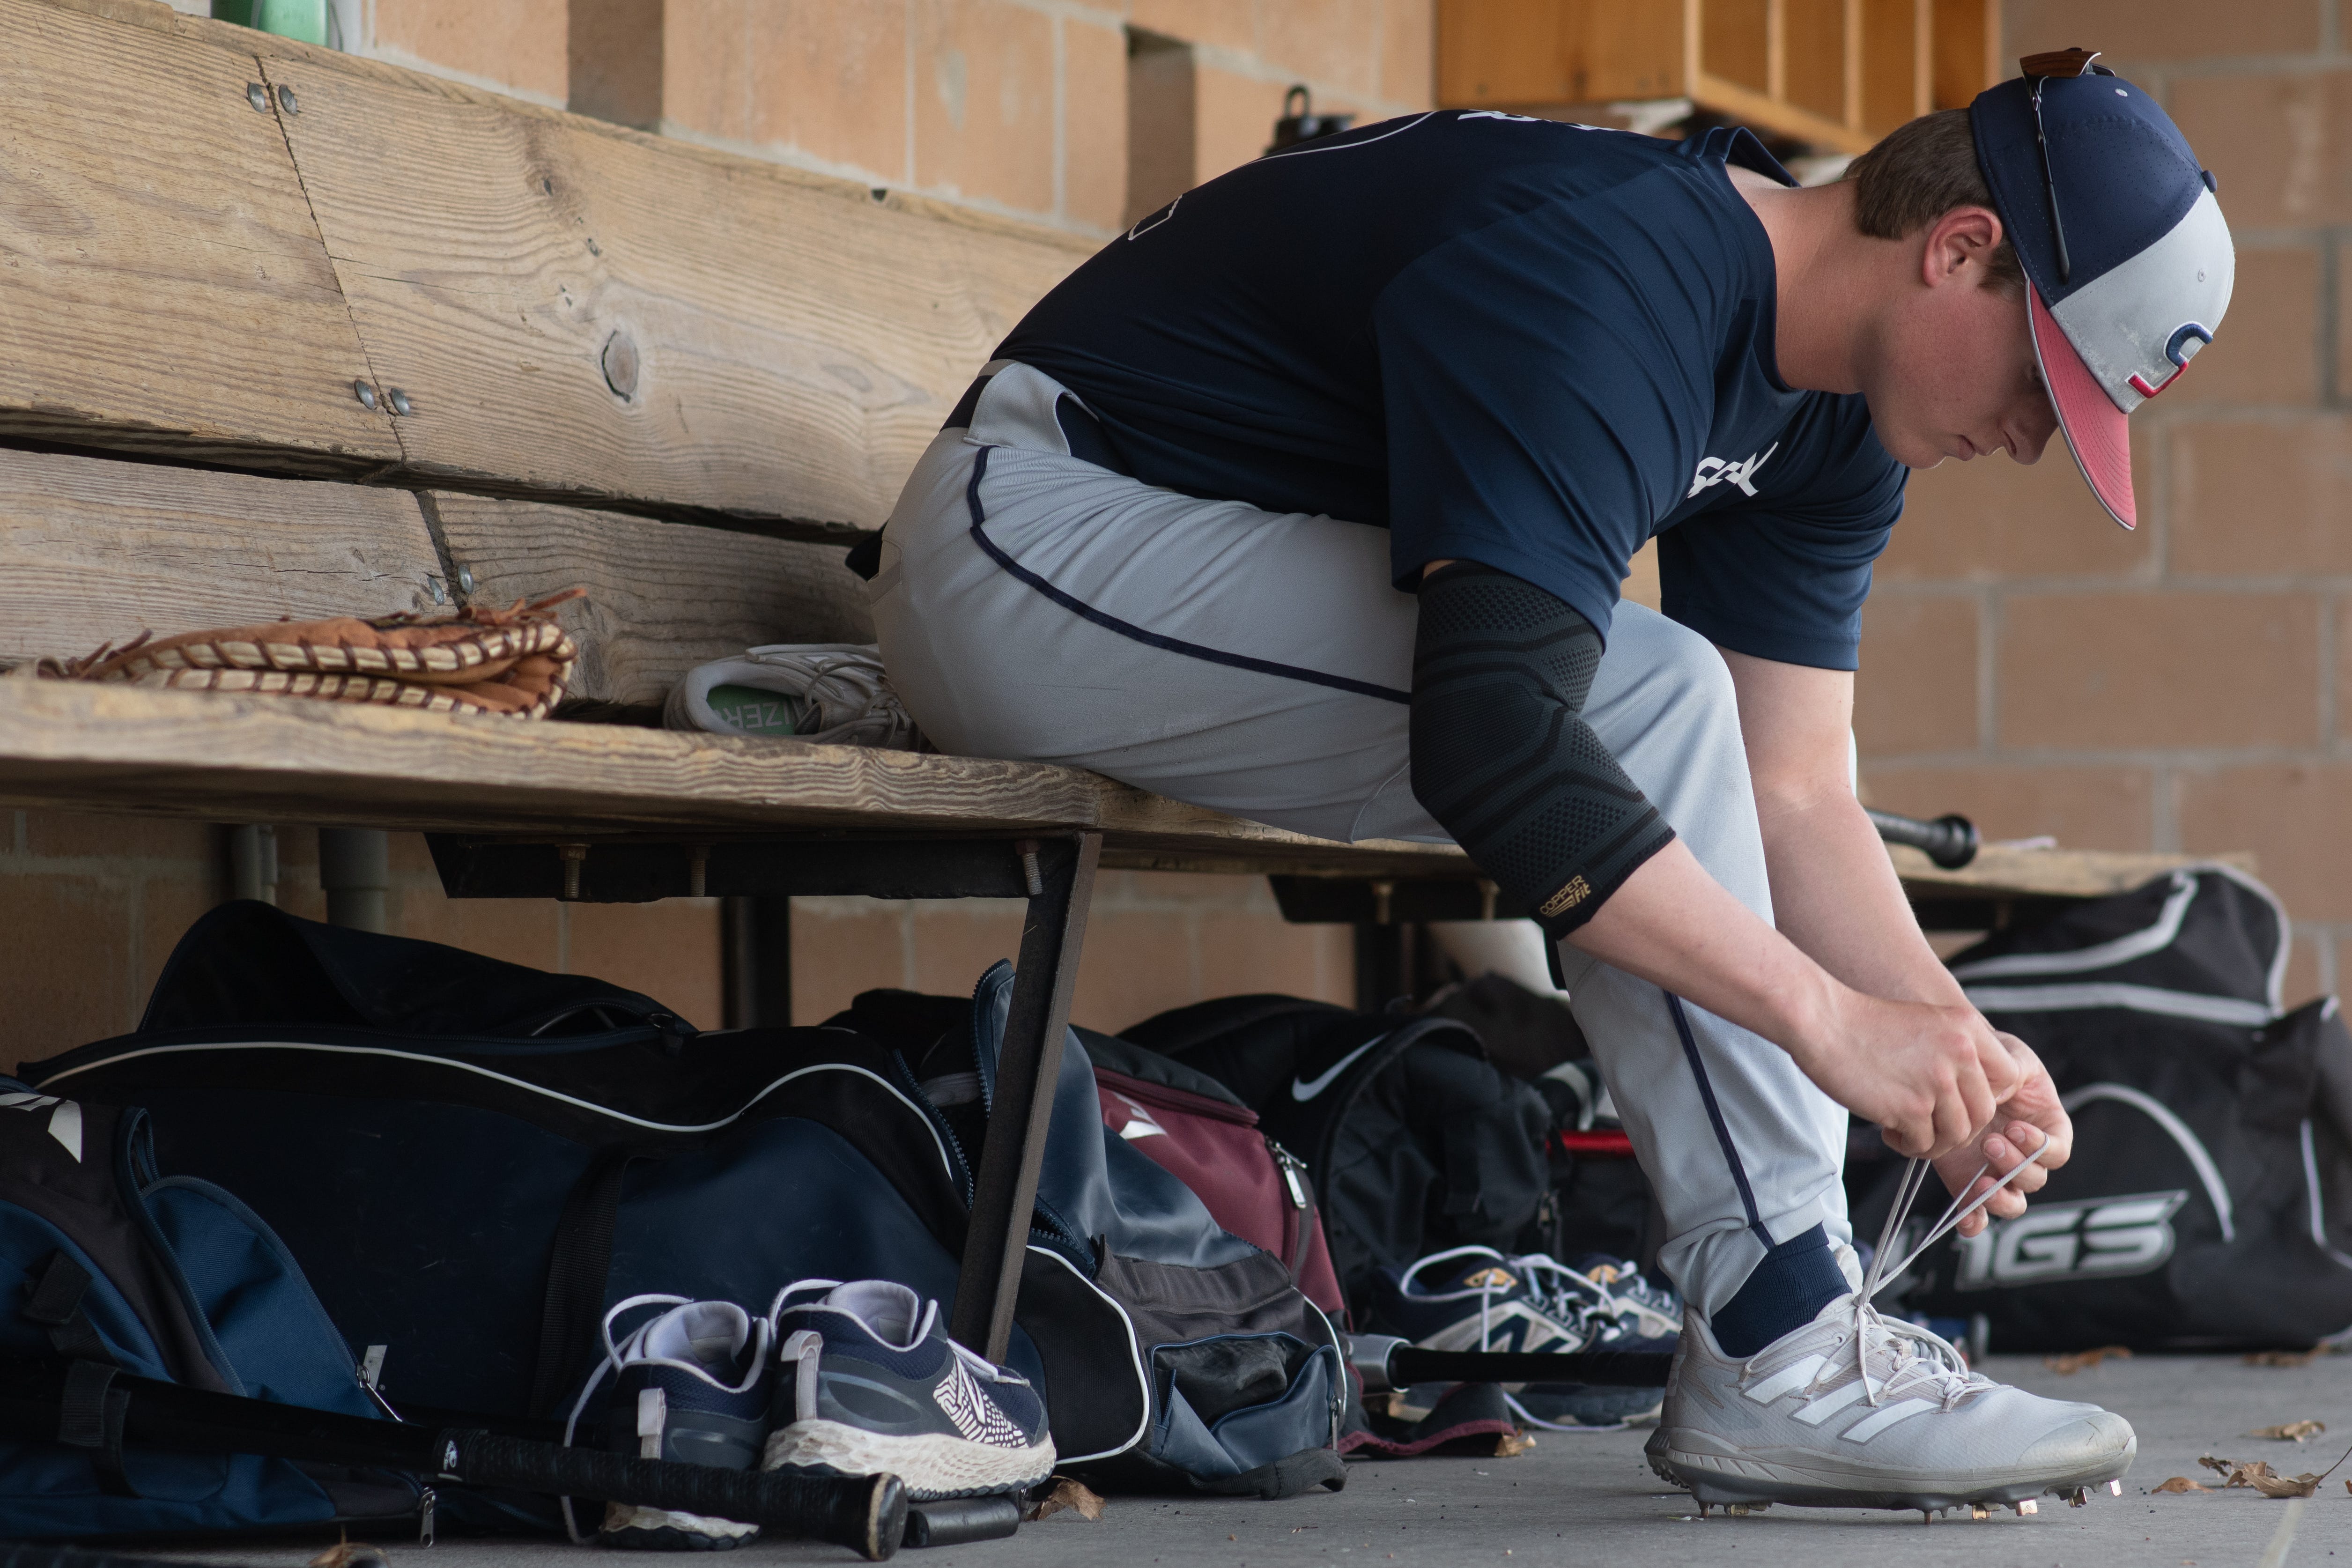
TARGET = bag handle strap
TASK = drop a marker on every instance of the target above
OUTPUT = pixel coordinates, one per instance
(578, 1267)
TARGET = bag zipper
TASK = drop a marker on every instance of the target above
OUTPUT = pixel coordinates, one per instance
(1302, 1202)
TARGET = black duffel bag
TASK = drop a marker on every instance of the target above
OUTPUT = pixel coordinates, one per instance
(2209, 1201)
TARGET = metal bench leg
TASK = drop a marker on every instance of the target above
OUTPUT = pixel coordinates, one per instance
(1005, 1188)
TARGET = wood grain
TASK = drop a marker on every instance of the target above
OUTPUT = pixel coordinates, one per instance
(215, 757)
(662, 596)
(92, 552)
(162, 283)
(577, 309)
(1997, 873)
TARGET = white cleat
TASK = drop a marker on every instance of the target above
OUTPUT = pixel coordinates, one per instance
(1856, 1410)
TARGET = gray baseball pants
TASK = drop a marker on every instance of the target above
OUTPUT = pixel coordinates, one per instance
(1034, 606)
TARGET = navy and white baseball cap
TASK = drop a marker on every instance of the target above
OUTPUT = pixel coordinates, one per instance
(2127, 262)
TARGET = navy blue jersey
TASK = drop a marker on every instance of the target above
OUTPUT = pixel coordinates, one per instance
(1516, 342)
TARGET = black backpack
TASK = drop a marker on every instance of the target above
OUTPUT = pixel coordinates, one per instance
(2208, 1203)
(1415, 1140)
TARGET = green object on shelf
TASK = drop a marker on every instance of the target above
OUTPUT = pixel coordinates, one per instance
(755, 711)
(307, 21)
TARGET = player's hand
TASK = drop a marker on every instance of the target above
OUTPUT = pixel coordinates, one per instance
(1932, 1077)
(2022, 1120)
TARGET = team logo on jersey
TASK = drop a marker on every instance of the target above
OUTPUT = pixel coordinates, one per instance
(2096, 1238)
(1714, 471)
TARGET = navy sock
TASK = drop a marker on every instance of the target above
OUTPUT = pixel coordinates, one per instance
(1794, 1282)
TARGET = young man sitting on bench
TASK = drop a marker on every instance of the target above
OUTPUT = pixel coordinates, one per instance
(1309, 497)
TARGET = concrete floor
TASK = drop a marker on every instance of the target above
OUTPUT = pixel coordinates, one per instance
(1591, 1500)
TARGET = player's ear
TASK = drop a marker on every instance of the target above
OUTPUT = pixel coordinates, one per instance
(1960, 246)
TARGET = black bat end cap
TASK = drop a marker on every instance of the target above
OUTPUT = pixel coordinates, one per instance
(886, 1519)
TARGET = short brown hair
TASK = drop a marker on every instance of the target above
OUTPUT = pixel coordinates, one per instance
(1919, 173)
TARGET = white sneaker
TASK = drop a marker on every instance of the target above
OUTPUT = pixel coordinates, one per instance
(1858, 1410)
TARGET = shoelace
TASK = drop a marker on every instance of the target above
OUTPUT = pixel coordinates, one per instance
(612, 1362)
(1576, 1297)
(1916, 1354)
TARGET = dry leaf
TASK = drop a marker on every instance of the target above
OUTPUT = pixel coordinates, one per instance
(2284, 1486)
(2291, 1431)
(1511, 1444)
(2211, 1463)
(2180, 1484)
(2282, 1358)
(2067, 1365)
(1071, 1495)
(349, 1553)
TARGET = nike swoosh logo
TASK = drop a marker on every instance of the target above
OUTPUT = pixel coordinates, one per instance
(1303, 1090)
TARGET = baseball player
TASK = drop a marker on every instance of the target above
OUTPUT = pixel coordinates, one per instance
(1308, 498)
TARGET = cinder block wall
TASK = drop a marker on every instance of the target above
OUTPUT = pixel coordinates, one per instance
(2184, 687)
(1020, 107)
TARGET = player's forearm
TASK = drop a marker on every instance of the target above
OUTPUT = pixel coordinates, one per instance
(1836, 896)
(1675, 926)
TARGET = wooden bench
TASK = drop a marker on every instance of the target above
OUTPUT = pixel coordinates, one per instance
(284, 332)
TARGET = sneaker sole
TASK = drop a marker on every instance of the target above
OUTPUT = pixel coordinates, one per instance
(630, 1528)
(933, 1466)
(1716, 1478)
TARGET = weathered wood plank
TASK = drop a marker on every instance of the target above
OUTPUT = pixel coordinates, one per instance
(162, 283)
(218, 757)
(1997, 872)
(575, 309)
(662, 597)
(93, 552)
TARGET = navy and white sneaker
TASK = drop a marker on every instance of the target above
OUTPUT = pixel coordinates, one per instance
(867, 1382)
(689, 1385)
(1476, 1299)
(1643, 1310)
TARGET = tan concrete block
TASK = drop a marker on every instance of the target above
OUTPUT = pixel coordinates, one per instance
(616, 49)
(57, 833)
(1409, 53)
(1916, 688)
(706, 80)
(985, 101)
(2251, 497)
(520, 931)
(668, 949)
(1990, 519)
(831, 80)
(1094, 124)
(2082, 808)
(1136, 963)
(517, 44)
(2343, 628)
(1223, 23)
(1159, 889)
(1234, 120)
(1331, 43)
(2291, 816)
(1241, 953)
(955, 941)
(2277, 143)
(65, 963)
(837, 953)
(2267, 349)
(2153, 30)
(2158, 670)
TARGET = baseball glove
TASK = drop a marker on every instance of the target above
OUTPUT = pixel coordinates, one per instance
(513, 662)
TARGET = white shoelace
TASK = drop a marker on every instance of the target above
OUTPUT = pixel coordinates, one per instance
(1917, 1355)
(1572, 1295)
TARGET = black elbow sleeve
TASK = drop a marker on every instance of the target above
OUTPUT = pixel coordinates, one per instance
(1502, 756)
